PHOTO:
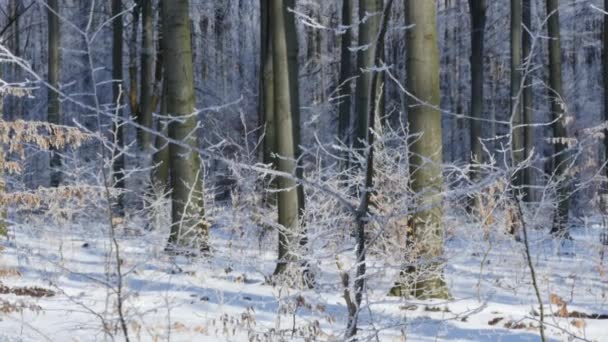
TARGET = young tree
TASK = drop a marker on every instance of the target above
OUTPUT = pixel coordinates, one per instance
(424, 118)
(605, 79)
(188, 227)
(54, 106)
(117, 48)
(560, 135)
(344, 90)
(287, 120)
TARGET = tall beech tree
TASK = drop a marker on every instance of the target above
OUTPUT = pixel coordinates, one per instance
(54, 63)
(266, 98)
(290, 200)
(426, 224)
(560, 135)
(188, 228)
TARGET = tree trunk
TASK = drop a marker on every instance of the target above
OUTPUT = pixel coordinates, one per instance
(527, 100)
(267, 85)
(561, 158)
(54, 106)
(147, 74)
(368, 35)
(286, 114)
(344, 90)
(477, 9)
(426, 235)
(117, 44)
(515, 95)
(605, 72)
(188, 228)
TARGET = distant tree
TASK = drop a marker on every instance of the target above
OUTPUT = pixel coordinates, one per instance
(266, 99)
(477, 10)
(515, 94)
(424, 118)
(188, 228)
(290, 199)
(527, 99)
(346, 72)
(54, 105)
(147, 101)
(560, 135)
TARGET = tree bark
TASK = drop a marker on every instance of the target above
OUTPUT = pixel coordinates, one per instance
(515, 95)
(344, 90)
(290, 199)
(561, 158)
(188, 228)
(368, 36)
(147, 74)
(54, 62)
(267, 85)
(424, 118)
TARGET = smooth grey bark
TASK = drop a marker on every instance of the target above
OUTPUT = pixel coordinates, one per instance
(344, 84)
(146, 101)
(425, 157)
(290, 199)
(117, 76)
(188, 228)
(560, 135)
(478, 23)
(605, 79)
(266, 98)
(54, 62)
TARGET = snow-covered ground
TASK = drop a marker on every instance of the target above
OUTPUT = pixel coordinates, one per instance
(225, 297)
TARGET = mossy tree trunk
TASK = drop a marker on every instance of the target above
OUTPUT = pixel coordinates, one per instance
(188, 228)
(290, 199)
(425, 278)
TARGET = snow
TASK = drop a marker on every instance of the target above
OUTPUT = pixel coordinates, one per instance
(225, 297)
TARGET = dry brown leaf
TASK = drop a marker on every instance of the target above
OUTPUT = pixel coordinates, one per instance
(579, 323)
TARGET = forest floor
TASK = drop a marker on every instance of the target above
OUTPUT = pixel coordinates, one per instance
(58, 284)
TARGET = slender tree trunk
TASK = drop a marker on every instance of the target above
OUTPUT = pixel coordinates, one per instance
(286, 108)
(117, 48)
(605, 73)
(188, 228)
(147, 73)
(54, 106)
(267, 85)
(363, 209)
(561, 158)
(527, 100)
(515, 96)
(344, 91)
(134, 104)
(477, 9)
(368, 36)
(426, 235)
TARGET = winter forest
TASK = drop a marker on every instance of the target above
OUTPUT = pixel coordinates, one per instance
(303, 170)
